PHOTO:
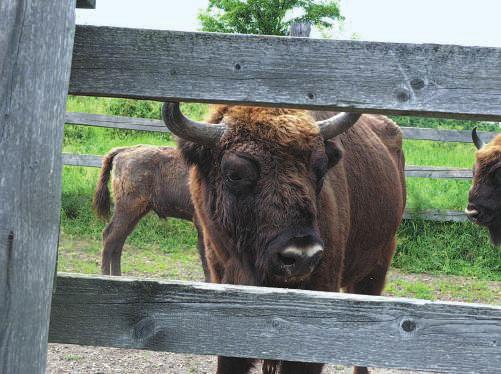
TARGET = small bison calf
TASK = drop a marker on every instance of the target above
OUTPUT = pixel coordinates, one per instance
(144, 178)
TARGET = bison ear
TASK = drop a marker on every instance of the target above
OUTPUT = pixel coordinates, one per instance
(334, 151)
(195, 154)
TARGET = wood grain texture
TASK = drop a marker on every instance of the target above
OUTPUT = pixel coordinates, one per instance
(439, 215)
(437, 172)
(86, 4)
(116, 122)
(72, 159)
(426, 79)
(276, 323)
(36, 39)
(460, 136)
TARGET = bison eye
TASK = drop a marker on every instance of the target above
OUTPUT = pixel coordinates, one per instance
(240, 173)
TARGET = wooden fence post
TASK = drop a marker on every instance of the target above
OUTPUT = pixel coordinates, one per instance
(300, 29)
(36, 42)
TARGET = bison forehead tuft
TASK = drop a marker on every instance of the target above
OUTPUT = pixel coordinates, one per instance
(286, 127)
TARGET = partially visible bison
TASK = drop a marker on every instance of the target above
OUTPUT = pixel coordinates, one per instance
(144, 178)
(289, 198)
(484, 199)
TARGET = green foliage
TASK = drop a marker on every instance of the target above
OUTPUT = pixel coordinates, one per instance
(135, 108)
(446, 248)
(267, 17)
(444, 123)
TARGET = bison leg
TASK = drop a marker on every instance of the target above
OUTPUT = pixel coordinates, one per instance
(123, 222)
(373, 284)
(201, 251)
(289, 367)
(233, 365)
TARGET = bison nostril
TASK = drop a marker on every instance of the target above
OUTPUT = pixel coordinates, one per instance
(286, 260)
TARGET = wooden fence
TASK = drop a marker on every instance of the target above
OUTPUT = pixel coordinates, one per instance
(142, 124)
(438, 80)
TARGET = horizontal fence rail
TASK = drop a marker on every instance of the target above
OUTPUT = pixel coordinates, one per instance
(412, 79)
(439, 135)
(410, 170)
(116, 122)
(425, 172)
(268, 323)
(143, 124)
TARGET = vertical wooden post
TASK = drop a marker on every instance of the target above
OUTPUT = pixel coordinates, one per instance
(36, 42)
(300, 29)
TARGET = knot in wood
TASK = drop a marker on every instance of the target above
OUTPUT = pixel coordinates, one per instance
(277, 324)
(144, 329)
(417, 83)
(408, 325)
(403, 95)
(237, 67)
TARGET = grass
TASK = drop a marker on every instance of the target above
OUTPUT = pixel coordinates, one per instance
(154, 261)
(441, 248)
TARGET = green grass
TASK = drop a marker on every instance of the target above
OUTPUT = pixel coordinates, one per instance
(470, 290)
(447, 248)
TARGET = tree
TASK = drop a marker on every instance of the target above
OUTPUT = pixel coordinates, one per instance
(268, 17)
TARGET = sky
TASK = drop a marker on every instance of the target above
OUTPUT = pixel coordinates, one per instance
(460, 22)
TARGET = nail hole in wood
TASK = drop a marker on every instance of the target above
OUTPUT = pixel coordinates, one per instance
(237, 67)
(311, 96)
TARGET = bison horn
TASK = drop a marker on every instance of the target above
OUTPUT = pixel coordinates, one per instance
(197, 132)
(337, 124)
(476, 139)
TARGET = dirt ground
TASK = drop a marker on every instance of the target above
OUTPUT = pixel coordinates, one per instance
(65, 358)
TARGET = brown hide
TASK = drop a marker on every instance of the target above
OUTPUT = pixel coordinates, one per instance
(144, 178)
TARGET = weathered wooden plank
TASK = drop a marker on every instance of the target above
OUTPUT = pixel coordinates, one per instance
(144, 124)
(276, 324)
(424, 79)
(461, 136)
(36, 40)
(72, 159)
(437, 172)
(86, 4)
(410, 170)
(116, 122)
(439, 215)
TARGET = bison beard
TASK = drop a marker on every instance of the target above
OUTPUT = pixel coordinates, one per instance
(287, 202)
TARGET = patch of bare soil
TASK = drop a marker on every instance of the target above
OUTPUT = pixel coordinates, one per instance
(65, 359)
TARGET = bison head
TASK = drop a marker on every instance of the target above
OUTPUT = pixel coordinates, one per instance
(257, 184)
(484, 199)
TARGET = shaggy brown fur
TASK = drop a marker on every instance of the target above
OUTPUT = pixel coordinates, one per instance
(485, 193)
(273, 180)
(144, 178)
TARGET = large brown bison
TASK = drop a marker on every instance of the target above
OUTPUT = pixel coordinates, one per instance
(145, 178)
(288, 198)
(484, 199)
